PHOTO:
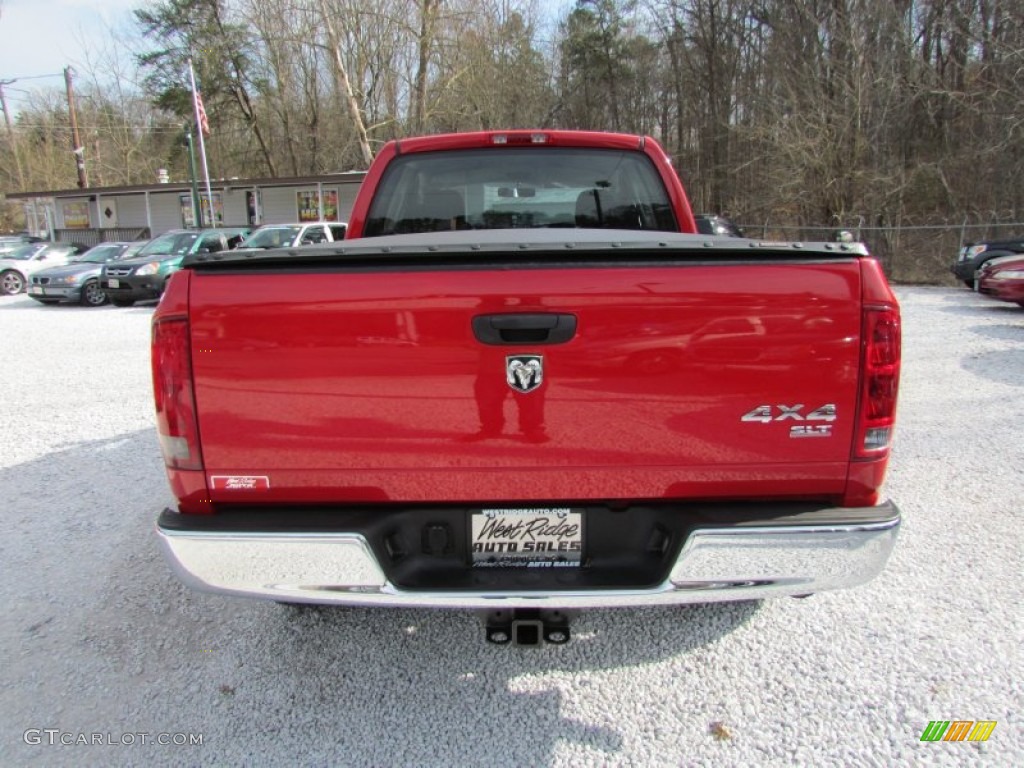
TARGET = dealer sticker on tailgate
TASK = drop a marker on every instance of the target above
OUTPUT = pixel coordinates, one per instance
(527, 538)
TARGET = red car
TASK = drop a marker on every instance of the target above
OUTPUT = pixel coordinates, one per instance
(1003, 279)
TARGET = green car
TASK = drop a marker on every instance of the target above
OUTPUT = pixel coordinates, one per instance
(145, 276)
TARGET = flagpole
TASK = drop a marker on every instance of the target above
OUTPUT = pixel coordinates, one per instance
(202, 148)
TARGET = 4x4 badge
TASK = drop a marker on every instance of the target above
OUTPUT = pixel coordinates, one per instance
(524, 373)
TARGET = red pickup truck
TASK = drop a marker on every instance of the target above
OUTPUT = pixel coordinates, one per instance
(528, 384)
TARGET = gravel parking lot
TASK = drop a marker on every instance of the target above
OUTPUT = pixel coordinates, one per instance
(102, 647)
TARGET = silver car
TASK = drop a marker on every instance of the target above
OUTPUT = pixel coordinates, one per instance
(79, 280)
(19, 264)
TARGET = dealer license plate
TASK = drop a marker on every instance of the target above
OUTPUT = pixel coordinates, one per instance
(534, 537)
(37, 290)
(113, 283)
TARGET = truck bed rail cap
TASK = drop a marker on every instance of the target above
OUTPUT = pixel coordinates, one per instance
(543, 240)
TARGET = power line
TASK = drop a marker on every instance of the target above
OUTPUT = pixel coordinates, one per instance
(13, 80)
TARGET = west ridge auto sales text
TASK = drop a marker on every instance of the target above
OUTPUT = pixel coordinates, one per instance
(528, 547)
(542, 526)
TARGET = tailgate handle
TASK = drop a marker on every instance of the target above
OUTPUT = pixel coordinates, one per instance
(524, 328)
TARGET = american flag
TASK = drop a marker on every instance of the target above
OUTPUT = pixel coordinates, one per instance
(204, 123)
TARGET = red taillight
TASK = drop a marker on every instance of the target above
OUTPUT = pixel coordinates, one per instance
(880, 383)
(172, 389)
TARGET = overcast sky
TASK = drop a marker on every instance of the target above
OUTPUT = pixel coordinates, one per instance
(41, 37)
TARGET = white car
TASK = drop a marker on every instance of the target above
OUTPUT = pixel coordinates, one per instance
(19, 264)
(292, 235)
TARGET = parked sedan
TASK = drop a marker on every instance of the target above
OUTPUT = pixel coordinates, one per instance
(1003, 279)
(79, 280)
(145, 276)
(16, 266)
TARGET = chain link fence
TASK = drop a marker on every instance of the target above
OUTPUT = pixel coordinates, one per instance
(914, 254)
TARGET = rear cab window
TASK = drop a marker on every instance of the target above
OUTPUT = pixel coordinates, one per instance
(516, 187)
(314, 234)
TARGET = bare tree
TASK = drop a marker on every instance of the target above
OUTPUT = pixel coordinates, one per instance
(817, 113)
(344, 83)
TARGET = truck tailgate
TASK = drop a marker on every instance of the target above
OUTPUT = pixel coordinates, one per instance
(682, 380)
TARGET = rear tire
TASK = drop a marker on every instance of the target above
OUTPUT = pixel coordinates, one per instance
(92, 294)
(11, 282)
(122, 302)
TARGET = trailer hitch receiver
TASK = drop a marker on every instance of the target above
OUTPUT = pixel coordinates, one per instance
(527, 627)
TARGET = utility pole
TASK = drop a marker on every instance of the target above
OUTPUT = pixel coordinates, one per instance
(197, 209)
(76, 144)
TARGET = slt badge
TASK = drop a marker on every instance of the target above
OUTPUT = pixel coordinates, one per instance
(524, 373)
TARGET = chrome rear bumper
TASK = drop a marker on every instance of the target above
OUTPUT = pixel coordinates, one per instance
(715, 564)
